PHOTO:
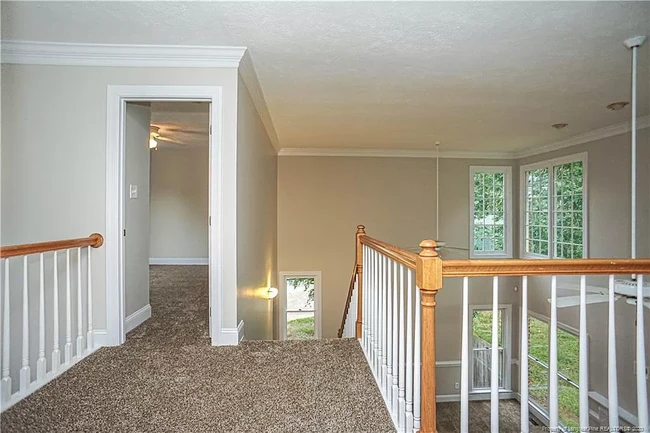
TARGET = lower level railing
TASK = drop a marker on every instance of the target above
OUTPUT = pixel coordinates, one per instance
(395, 295)
(57, 276)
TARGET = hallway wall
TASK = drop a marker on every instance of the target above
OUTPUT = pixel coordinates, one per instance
(257, 224)
(179, 203)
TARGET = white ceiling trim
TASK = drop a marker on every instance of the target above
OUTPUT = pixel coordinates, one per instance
(69, 54)
(392, 153)
(596, 134)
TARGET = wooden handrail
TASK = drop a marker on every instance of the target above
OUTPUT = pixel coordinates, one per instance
(397, 254)
(95, 240)
(524, 267)
(348, 301)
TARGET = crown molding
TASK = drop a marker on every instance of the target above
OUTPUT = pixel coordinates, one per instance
(73, 54)
(392, 153)
(596, 134)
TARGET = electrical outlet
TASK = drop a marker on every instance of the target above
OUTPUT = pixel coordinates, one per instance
(456, 385)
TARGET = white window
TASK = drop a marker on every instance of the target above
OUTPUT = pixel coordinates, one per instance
(490, 233)
(554, 208)
(481, 356)
(300, 301)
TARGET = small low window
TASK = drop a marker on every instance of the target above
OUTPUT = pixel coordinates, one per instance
(490, 212)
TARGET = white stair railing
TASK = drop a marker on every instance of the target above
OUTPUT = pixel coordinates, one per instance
(17, 291)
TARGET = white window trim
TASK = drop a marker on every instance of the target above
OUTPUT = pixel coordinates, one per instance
(506, 324)
(549, 164)
(507, 171)
(284, 276)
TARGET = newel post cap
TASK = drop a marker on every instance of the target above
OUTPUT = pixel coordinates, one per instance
(361, 229)
(428, 248)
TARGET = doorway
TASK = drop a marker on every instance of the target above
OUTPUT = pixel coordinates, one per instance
(300, 305)
(222, 204)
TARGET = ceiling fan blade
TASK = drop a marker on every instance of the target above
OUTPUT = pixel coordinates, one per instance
(633, 302)
(576, 287)
(628, 288)
(574, 301)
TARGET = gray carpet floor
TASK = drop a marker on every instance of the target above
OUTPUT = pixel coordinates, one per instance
(167, 378)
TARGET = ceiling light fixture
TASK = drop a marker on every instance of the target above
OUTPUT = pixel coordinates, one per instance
(559, 126)
(615, 106)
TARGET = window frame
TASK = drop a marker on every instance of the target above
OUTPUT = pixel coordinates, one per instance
(550, 164)
(506, 326)
(508, 232)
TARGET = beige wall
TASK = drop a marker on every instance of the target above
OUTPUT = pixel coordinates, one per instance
(179, 203)
(54, 155)
(608, 162)
(322, 199)
(256, 220)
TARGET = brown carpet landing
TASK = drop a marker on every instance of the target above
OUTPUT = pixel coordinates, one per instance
(167, 378)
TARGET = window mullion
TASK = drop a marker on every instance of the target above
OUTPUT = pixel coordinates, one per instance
(551, 213)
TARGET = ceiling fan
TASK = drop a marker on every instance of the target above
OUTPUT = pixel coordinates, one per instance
(622, 289)
(155, 137)
(446, 252)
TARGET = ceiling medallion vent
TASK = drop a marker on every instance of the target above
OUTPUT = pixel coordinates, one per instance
(615, 106)
(559, 126)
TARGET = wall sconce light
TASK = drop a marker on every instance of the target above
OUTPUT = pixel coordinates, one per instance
(271, 293)
(153, 144)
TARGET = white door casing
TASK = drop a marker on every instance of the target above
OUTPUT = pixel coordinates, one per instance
(223, 209)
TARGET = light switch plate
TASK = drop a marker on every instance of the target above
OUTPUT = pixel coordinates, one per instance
(133, 191)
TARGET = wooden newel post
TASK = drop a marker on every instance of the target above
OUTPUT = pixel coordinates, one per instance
(361, 230)
(428, 277)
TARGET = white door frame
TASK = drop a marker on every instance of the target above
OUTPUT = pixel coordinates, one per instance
(318, 332)
(223, 184)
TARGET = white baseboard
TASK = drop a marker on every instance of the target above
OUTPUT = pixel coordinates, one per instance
(178, 261)
(136, 319)
(232, 336)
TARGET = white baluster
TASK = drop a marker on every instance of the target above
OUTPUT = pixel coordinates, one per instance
(417, 354)
(89, 338)
(584, 363)
(371, 312)
(41, 362)
(67, 350)
(553, 404)
(364, 301)
(25, 372)
(56, 353)
(612, 386)
(395, 346)
(80, 308)
(5, 384)
(401, 381)
(523, 357)
(494, 378)
(409, 351)
(382, 323)
(464, 361)
(388, 388)
(641, 386)
(375, 315)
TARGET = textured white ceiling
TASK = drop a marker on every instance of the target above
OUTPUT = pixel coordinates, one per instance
(480, 76)
(186, 124)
